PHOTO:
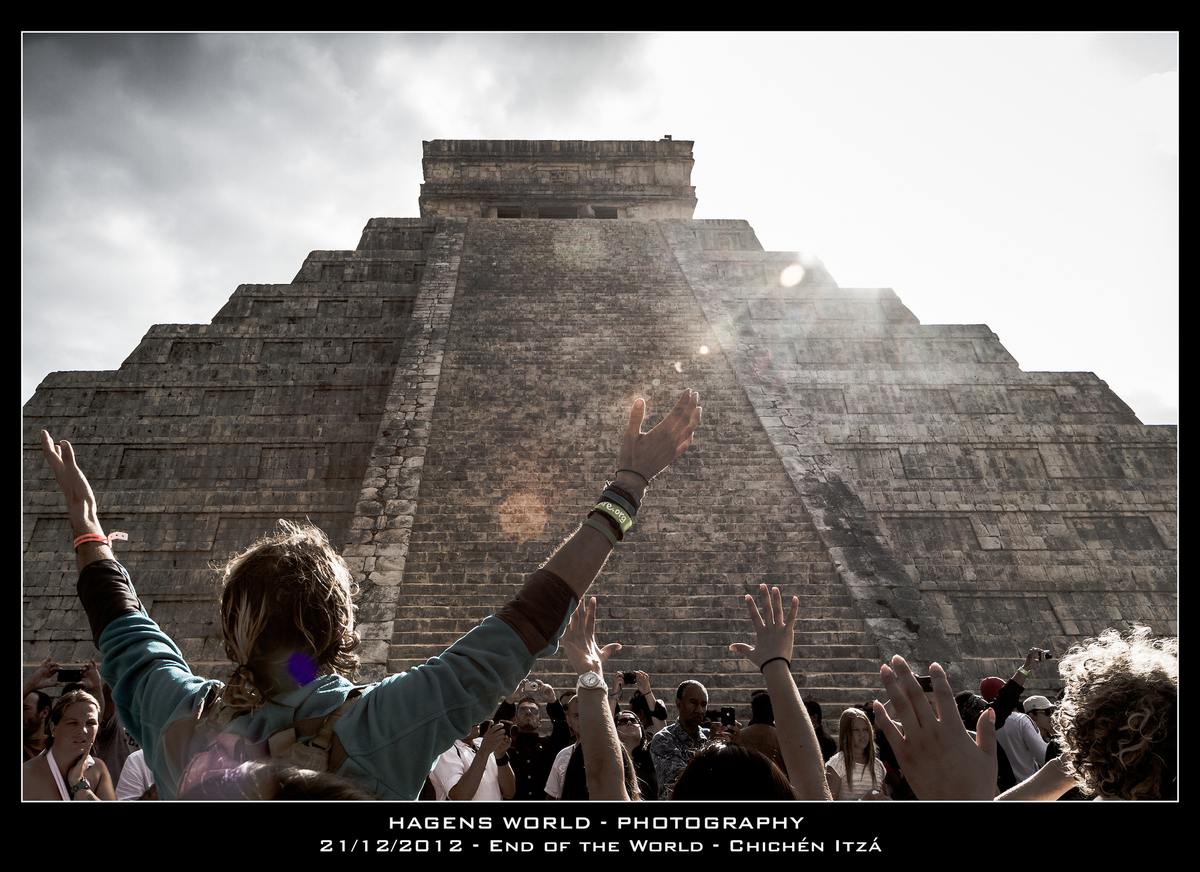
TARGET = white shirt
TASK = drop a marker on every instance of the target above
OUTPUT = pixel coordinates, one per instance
(136, 777)
(862, 777)
(453, 764)
(558, 770)
(1023, 744)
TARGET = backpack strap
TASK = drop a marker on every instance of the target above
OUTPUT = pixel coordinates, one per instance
(324, 752)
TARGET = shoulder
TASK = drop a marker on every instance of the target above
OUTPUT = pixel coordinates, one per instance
(98, 768)
(837, 763)
(563, 756)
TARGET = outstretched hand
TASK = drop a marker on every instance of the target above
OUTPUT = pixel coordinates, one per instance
(579, 641)
(938, 757)
(81, 502)
(650, 453)
(775, 635)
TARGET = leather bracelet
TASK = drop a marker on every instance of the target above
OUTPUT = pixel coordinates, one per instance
(610, 494)
(772, 660)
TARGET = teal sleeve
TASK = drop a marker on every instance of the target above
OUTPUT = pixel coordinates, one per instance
(399, 727)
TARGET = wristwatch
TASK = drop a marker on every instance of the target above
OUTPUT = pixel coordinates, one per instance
(591, 681)
(81, 784)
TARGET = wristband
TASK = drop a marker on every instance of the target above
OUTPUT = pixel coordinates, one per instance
(1024, 671)
(90, 537)
(618, 514)
(772, 660)
(638, 474)
(602, 527)
(626, 500)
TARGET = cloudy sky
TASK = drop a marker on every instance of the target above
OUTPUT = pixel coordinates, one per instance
(1025, 181)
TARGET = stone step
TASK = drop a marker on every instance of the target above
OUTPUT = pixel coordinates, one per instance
(437, 595)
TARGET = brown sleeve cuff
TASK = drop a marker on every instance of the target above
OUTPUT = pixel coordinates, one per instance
(106, 592)
(539, 609)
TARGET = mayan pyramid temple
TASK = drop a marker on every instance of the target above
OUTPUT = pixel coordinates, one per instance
(446, 401)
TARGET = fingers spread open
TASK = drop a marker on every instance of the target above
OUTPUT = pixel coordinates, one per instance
(609, 650)
(68, 454)
(741, 648)
(884, 722)
(896, 695)
(795, 611)
(589, 618)
(776, 607)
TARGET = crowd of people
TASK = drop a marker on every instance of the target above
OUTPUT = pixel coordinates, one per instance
(473, 724)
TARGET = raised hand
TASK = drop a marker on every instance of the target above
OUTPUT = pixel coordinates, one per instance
(938, 757)
(46, 675)
(81, 502)
(493, 739)
(90, 680)
(579, 641)
(650, 453)
(775, 635)
(643, 682)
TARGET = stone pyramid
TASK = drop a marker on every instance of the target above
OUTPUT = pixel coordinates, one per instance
(446, 399)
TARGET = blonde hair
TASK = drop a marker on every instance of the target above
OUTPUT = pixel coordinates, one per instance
(287, 596)
(1116, 719)
(844, 734)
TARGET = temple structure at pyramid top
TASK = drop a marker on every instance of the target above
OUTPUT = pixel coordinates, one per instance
(546, 178)
(446, 398)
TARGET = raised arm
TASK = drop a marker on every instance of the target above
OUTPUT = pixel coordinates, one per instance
(643, 456)
(772, 654)
(602, 760)
(81, 502)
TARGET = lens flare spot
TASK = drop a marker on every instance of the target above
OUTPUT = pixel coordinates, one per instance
(678, 366)
(522, 516)
(704, 349)
(302, 668)
(655, 383)
(791, 276)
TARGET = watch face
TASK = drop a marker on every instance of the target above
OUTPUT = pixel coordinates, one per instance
(590, 679)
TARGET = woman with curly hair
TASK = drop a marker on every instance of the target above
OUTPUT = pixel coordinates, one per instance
(1116, 721)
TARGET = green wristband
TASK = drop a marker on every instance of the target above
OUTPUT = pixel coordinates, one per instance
(596, 524)
(617, 513)
(614, 497)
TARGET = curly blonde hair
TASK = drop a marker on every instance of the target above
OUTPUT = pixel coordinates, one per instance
(286, 609)
(1116, 721)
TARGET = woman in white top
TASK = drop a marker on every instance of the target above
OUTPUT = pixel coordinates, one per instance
(854, 772)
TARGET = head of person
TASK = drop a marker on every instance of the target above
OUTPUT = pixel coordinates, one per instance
(856, 741)
(1116, 719)
(37, 709)
(761, 710)
(73, 723)
(970, 706)
(691, 703)
(989, 688)
(629, 729)
(287, 614)
(721, 771)
(1041, 712)
(528, 717)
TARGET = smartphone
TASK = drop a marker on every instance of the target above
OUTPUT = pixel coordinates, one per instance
(926, 683)
(728, 715)
(629, 678)
(66, 676)
(484, 726)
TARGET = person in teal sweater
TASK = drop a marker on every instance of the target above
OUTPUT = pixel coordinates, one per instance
(288, 623)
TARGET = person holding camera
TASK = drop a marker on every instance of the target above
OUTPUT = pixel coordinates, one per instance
(476, 767)
(1016, 732)
(37, 706)
(650, 711)
(287, 616)
(531, 754)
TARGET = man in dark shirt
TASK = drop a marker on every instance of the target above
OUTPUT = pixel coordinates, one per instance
(530, 754)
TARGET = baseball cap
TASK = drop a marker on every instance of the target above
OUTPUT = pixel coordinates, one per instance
(1037, 703)
(989, 688)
